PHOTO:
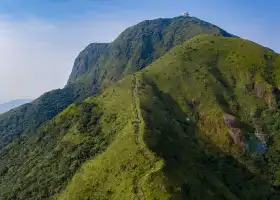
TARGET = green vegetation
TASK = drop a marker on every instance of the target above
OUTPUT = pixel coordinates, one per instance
(39, 165)
(112, 174)
(195, 158)
(99, 65)
(13, 104)
(197, 81)
(28, 117)
(135, 48)
(200, 122)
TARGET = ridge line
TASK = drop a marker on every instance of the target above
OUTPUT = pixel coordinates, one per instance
(145, 152)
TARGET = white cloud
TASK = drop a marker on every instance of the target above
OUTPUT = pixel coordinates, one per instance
(37, 56)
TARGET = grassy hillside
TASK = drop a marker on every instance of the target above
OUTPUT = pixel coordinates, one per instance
(39, 163)
(213, 77)
(28, 117)
(201, 122)
(187, 150)
(53, 153)
(98, 65)
(206, 79)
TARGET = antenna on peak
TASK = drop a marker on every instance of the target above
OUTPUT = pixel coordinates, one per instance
(186, 14)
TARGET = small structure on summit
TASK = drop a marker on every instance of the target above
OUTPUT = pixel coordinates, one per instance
(186, 14)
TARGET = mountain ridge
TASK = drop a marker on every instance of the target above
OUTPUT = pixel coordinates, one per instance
(95, 69)
(4, 107)
(138, 46)
(205, 106)
(185, 130)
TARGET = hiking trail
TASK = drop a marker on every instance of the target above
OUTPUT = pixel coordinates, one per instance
(139, 141)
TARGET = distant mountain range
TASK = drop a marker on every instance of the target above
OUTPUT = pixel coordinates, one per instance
(13, 104)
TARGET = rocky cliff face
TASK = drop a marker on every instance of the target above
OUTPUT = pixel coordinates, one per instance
(88, 57)
(138, 46)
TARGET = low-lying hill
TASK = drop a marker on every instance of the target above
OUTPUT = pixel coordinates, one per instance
(198, 123)
(28, 117)
(13, 104)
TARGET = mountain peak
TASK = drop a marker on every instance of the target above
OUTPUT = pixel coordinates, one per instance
(198, 119)
(135, 48)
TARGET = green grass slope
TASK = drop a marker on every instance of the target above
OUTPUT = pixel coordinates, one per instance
(185, 150)
(38, 164)
(113, 173)
(161, 134)
(204, 79)
(26, 118)
(101, 64)
(214, 76)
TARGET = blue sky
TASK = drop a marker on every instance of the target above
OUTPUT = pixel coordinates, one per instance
(40, 39)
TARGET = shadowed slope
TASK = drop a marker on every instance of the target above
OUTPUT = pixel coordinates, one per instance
(183, 97)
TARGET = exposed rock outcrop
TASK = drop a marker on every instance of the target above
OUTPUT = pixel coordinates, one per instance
(86, 59)
(231, 120)
(248, 88)
(235, 133)
(262, 137)
(259, 90)
(192, 103)
(237, 136)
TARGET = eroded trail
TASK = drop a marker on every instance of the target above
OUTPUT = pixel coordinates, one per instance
(139, 141)
(138, 132)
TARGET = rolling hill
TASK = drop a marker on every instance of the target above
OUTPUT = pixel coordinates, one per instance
(194, 118)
